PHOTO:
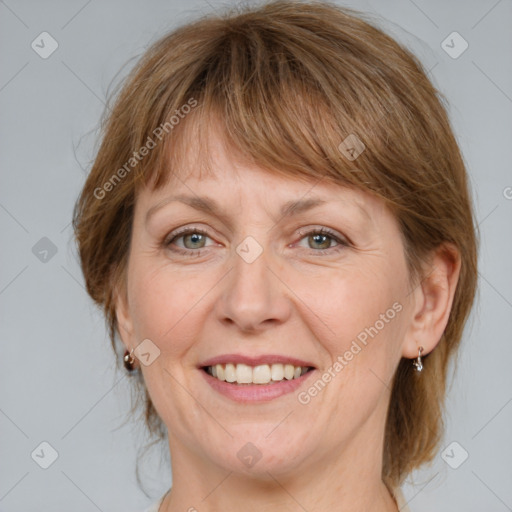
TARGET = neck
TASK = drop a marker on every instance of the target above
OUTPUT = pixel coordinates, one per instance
(347, 478)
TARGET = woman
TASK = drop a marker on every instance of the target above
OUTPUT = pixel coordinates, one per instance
(278, 227)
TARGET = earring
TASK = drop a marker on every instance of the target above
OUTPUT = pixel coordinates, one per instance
(128, 360)
(418, 364)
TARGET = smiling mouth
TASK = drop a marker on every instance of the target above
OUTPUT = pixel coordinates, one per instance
(243, 374)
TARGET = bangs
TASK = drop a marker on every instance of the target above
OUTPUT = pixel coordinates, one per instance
(188, 149)
(274, 106)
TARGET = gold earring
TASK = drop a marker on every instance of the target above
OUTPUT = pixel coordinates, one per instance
(418, 364)
(128, 360)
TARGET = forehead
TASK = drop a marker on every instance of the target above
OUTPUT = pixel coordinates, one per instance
(234, 189)
(217, 171)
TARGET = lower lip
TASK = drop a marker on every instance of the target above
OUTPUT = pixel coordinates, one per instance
(249, 393)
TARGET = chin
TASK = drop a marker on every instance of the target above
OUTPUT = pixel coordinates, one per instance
(259, 455)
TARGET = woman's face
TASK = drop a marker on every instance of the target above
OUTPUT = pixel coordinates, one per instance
(253, 281)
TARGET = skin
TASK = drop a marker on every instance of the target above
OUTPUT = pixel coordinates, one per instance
(292, 300)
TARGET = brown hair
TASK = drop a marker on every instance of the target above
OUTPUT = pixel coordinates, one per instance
(289, 81)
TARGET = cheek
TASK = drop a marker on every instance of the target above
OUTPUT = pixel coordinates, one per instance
(360, 313)
(159, 303)
(366, 317)
(168, 306)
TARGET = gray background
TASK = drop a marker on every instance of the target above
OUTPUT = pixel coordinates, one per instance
(58, 382)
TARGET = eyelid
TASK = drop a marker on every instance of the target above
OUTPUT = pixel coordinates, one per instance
(321, 229)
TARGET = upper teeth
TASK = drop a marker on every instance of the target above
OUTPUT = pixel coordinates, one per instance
(261, 374)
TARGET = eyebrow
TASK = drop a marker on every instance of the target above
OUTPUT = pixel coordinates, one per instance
(210, 206)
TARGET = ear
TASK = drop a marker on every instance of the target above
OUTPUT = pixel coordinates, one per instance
(123, 316)
(432, 301)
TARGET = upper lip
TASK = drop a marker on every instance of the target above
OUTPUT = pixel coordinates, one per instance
(255, 360)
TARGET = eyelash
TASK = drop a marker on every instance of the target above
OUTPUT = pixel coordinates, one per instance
(198, 252)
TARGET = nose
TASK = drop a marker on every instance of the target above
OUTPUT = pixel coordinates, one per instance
(254, 296)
